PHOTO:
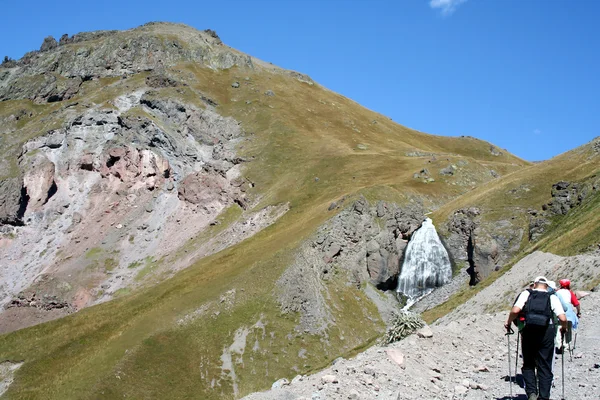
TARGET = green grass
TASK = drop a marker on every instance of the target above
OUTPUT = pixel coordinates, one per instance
(150, 265)
(110, 264)
(93, 252)
(134, 264)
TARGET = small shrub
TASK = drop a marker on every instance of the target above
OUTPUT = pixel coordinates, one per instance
(402, 325)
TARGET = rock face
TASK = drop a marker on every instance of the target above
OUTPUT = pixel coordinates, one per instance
(565, 197)
(134, 167)
(48, 44)
(39, 182)
(170, 165)
(471, 245)
(206, 189)
(12, 201)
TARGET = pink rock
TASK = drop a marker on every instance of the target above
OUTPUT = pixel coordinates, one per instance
(581, 294)
(87, 162)
(396, 356)
(38, 181)
(117, 152)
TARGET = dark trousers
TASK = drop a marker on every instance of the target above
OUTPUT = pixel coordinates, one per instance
(538, 354)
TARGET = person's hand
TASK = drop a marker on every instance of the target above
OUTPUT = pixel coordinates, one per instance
(578, 315)
(507, 326)
(563, 330)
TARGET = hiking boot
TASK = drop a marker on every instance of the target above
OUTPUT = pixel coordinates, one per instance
(533, 396)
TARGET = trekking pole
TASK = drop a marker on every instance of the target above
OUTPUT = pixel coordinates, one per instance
(517, 355)
(570, 339)
(509, 332)
(562, 341)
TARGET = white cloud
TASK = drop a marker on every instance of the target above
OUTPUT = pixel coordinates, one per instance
(446, 7)
(537, 131)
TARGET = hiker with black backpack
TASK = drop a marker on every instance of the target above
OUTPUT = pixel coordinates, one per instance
(537, 337)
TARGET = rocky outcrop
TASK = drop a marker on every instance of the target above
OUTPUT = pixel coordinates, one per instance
(135, 167)
(449, 170)
(167, 167)
(471, 245)
(45, 88)
(49, 44)
(39, 182)
(565, 196)
(460, 227)
(424, 176)
(45, 302)
(56, 71)
(13, 201)
(206, 188)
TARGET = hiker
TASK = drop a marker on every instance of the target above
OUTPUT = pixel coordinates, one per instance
(558, 338)
(570, 298)
(537, 337)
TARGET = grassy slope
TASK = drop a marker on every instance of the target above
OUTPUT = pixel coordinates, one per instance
(133, 347)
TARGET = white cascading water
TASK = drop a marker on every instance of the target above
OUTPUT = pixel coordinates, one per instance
(426, 263)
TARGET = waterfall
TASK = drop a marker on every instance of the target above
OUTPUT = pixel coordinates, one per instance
(426, 263)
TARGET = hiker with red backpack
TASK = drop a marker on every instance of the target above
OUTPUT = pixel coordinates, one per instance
(537, 337)
(570, 298)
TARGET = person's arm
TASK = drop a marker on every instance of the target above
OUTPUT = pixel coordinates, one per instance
(512, 315)
(558, 311)
(562, 319)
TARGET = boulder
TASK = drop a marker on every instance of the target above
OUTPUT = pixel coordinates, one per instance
(396, 356)
(449, 170)
(206, 188)
(460, 390)
(329, 379)
(39, 182)
(280, 383)
(581, 294)
(11, 195)
(49, 43)
(425, 332)
(64, 39)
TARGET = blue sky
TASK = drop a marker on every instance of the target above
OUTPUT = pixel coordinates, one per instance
(523, 74)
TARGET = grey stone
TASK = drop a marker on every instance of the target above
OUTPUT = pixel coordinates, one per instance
(449, 170)
(49, 44)
(235, 85)
(494, 150)
(425, 332)
(280, 383)
(11, 201)
(269, 93)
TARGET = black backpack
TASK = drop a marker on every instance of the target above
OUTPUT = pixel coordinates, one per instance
(537, 309)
